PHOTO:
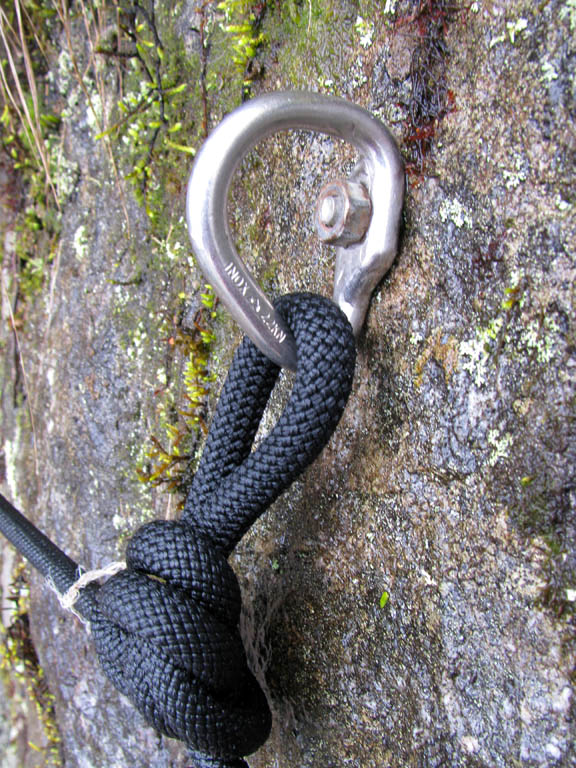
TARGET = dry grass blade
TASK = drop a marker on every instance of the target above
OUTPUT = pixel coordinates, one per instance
(28, 65)
(30, 122)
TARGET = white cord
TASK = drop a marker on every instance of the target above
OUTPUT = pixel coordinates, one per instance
(68, 599)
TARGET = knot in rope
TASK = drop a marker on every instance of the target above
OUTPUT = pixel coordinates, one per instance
(168, 638)
(167, 627)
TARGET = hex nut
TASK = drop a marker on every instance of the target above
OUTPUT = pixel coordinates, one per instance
(343, 212)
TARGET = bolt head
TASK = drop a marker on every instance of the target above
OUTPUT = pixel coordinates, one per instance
(343, 212)
(328, 211)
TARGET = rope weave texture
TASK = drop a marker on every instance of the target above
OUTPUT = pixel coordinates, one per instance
(166, 627)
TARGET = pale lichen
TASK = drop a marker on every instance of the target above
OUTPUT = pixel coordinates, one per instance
(516, 27)
(80, 243)
(568, 11)
(500, 446)
(365, 30)
(357, 75)
(454, 211)
(515, 175)
(64, 73)
(519, 334)
(476, 353)
(540, 337)
(66, 172)
(549, 73)
(95, 112)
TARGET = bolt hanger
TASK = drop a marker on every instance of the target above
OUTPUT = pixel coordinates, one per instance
(360, 215)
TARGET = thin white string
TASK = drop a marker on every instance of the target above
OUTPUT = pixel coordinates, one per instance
(68, 598)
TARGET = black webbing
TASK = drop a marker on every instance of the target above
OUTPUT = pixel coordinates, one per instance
(166, 628)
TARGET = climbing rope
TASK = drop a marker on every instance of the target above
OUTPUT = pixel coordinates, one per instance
(166, 628)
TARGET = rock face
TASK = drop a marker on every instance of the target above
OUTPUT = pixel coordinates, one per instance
(412, 596)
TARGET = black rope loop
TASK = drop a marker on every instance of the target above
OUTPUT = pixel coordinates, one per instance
(167, 627)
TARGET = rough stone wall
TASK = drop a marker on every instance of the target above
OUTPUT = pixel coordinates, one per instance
(413, 595)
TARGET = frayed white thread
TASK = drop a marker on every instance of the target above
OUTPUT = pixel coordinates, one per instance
(68, 599)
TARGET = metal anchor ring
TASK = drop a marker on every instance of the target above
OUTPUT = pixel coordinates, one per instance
(361, 215)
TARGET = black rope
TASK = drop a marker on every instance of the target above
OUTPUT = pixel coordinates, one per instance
(166, 628)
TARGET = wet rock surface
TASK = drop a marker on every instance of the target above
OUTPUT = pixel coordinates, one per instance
(412, 596)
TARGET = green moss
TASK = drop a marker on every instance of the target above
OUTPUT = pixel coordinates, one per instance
(170, 98)
(180, 405)
(22, 673)
(315, 42)
(240, 25)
